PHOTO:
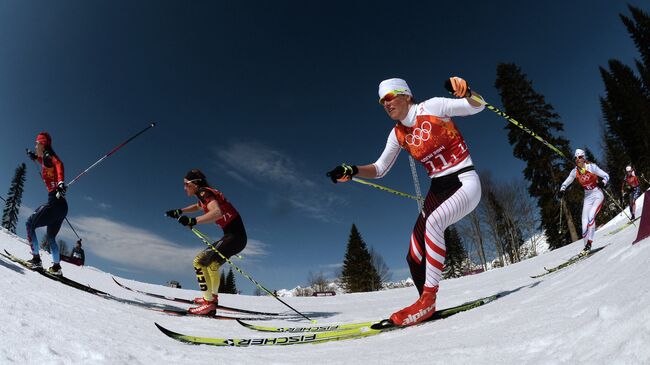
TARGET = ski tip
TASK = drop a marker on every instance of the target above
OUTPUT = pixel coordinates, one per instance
(383, 324)
(152, 125)
(166, 331)
(117, 282)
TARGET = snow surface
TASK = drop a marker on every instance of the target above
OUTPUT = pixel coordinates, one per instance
(593, 312)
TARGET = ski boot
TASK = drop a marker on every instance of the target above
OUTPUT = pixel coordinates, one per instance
(35, 262)
(201, 300)
(207, 308)
(55, 270)
(419, 311)
(587, 247)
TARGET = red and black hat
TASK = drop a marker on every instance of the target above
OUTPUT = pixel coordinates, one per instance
(44, 139)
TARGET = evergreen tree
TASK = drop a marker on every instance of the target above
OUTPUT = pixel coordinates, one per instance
(358, 273)
(626, 111)
(222, 282)
(626, 105)
(456, 255)
(14, 198)
(230, 283)
(545, 170)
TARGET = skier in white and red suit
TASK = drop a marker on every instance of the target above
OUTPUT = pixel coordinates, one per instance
(426, 131)
(631, 182)
(587, 174)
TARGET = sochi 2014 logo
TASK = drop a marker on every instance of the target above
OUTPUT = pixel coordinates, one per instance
(419, 135)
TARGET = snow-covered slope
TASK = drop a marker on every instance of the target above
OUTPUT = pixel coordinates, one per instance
(594, 312)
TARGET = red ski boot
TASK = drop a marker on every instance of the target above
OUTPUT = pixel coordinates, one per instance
(419, 311)
(206, 308)
(201, 300)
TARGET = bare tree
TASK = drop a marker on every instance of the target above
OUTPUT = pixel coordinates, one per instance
(489, 216)
(380, 265)
(64, 250)
(318, 282)
(471, 230)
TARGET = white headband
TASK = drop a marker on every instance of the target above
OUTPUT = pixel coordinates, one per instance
(397, 86)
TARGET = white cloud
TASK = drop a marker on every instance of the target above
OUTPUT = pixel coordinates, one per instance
(254, 161)
(101, 205)
(138, 248)
(254, 248)
(337, 265)
(104, 206)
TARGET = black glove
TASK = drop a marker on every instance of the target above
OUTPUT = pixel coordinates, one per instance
(560, 194)
(342, 173)
(602, 184)
(60, 190)
(174, 213)
(187, 221)
(32, 156)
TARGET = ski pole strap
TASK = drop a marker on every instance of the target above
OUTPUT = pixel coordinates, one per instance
(208, 241)
(384, 188)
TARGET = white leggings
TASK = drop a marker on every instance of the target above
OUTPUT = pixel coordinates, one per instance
(590, 208)
(450, 198)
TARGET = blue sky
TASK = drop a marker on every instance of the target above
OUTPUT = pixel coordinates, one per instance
(265, 98)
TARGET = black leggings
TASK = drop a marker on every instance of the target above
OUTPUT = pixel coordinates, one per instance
(233, 242)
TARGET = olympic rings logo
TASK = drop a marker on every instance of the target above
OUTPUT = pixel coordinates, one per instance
(419, 135)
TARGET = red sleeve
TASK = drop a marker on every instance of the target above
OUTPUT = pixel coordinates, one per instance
(58, 167)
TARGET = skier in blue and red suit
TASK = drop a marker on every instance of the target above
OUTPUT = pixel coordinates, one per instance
(52, 213)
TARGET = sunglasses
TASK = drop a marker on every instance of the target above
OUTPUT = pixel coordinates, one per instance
(391, 95)
(580, 158)
(186, 183)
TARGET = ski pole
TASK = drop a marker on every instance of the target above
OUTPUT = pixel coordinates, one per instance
(527, 130)
(75, 232)
(561, 205)
(208, 241)
(384, 188)
(509, 119)
(111, 152)
(617, 204)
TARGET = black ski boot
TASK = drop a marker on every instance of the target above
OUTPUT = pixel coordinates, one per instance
(587, 247)
(35, 262)
(55, 270)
